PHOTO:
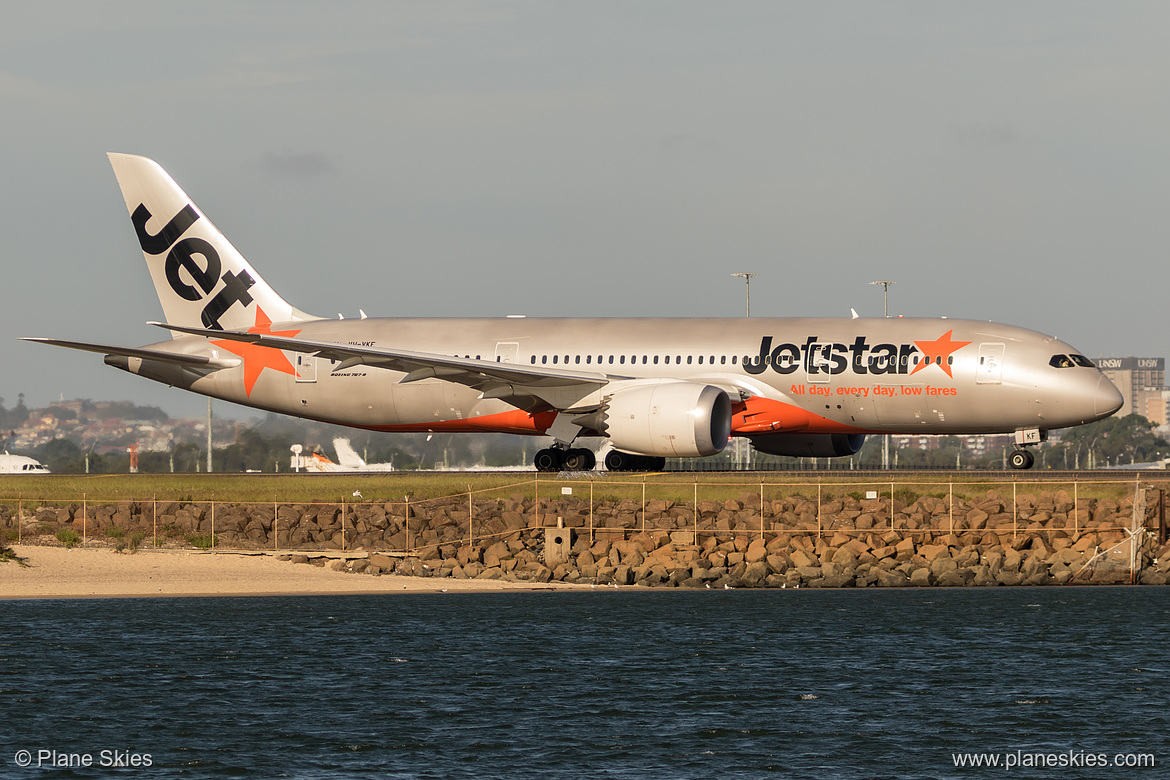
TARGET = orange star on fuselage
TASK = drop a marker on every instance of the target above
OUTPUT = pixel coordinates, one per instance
(257, 358)
(938, 351)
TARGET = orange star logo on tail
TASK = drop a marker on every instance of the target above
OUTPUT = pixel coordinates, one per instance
(257, 358)
(938, 351)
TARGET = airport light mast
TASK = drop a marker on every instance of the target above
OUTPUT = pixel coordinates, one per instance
(741, 457)
(747, 277)
(885, 283)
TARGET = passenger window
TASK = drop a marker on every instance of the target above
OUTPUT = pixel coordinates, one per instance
(655, 360)
(734, 360)
(543, 359)
(722, 360)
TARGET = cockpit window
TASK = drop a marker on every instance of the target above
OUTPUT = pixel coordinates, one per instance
(1082, 361)
(1061, 361)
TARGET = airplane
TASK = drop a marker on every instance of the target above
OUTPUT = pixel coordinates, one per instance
(654, 388)
(348, 461)
(19, 464)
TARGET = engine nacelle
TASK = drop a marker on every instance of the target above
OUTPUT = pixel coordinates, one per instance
(809, 445)
(668, 420)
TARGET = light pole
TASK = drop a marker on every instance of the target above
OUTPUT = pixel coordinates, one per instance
(885, 283)
(747, 277)
(740, 455)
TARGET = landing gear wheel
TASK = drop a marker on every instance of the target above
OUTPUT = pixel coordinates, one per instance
(549, 460)
(624, 461)
(580, 460)
(1021, 459)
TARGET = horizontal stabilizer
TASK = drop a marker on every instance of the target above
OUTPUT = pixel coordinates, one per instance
(191, 361)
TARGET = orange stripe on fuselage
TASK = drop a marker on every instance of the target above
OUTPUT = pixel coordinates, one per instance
(756, 415)
(516, 421)
(763, 415)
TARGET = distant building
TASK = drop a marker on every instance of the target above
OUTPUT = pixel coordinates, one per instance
(1138, 379)
(1158, 408)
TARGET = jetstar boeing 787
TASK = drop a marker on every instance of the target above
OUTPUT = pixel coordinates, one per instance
(656, 388)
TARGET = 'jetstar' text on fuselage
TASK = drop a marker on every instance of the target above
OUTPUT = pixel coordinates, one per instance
(817, 357)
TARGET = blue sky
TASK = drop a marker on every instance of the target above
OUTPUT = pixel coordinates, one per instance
(1002, 161)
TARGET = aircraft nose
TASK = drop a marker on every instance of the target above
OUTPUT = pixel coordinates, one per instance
(1107, 399)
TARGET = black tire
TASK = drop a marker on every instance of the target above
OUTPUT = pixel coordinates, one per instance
(1021, 459)
(548, 460)
(580, 460)
(617, 461)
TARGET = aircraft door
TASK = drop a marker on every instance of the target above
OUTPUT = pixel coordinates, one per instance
(507, 352)
(819, 363)
(306, 367)
(990, 370)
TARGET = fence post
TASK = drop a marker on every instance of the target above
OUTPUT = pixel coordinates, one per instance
(19, 516)
(470, 530)
(275, 524)
(696, 510)
(1014, 514)
(1139, 522)
(83, 521)
(1076, 507)
(213, 521)
(818, 511)
(761, 511)
(643, 503)
(343, 522)
(891, 506)
(951, 496)
(154, 518)
(591, 537)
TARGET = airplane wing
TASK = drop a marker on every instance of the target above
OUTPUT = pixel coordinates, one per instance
(517, 384)
(190, 361)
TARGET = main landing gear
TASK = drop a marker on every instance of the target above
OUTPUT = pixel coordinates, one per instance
(1021, 459)
(559, 459)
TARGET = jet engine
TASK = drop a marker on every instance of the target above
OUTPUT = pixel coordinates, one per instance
(671, 419)
(809, 445)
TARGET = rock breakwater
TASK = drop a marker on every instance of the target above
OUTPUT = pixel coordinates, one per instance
(1046, 538)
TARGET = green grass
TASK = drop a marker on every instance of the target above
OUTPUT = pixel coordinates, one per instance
(7, 555)
(68, 537)
(202, 541)
(58, 490)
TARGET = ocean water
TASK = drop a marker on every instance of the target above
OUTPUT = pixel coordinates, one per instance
(605, 683)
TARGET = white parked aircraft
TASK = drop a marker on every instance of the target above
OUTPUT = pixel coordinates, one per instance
(654, 388)
(19, 464)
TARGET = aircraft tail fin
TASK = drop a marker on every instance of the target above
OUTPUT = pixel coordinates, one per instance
(347, 456)
(201, 279)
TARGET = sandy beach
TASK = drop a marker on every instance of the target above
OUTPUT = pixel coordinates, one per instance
(55, 572)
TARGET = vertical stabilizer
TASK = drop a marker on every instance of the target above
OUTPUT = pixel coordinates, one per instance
(201, 280)
(347, 456)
